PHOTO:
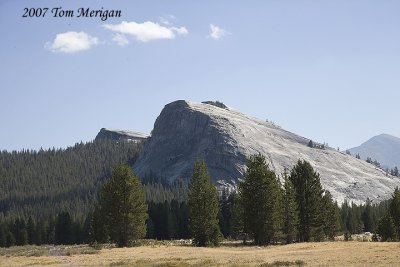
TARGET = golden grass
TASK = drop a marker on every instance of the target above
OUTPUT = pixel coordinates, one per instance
(303, 254)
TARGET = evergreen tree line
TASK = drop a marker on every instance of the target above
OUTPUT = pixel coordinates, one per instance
(166, 221)
(63, 229)
(170, 220)
(297, 211)
(42, 183)
(356, 219)
(262, 210)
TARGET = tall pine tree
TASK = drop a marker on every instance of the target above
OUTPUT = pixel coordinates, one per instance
(123, 209)
(290, 211)
(260, 195)
(237, 226)
(394, 209)
(203, 207)
(309, 191)
(331, 215)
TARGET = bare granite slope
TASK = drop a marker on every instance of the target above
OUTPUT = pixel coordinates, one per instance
(120, 134)
(225, 138)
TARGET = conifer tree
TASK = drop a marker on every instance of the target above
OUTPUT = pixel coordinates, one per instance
(395, 171)
(331, 215)
(394, 209)
(386, 228)
(40, 232)
(260, 195)
(31, 229)
(203, 207)
(309, 191)
(98, 230)
(311, 144)
(10, 239)
(225, 205)
(237, 226)
(366, 217)
(123, 207)
(20, 233)
(3, 234)
(63, 228)
(290, 211)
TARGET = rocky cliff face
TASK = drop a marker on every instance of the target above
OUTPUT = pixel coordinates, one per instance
(120, 134)
(225, 138)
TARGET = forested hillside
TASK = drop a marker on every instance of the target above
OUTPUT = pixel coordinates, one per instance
(45, 182)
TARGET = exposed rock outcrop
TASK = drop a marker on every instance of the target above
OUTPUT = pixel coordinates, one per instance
(225, 138)
(121, 134)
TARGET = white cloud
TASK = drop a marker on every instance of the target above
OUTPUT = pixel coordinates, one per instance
(217, 33)
(71, 42)
(146, 31)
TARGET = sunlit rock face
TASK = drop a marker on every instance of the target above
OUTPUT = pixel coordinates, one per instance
(224, 138)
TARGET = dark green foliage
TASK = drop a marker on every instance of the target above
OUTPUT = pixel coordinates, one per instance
(354, 217)
(367, 218)
(237, 215)
(3, 234)
(10, 239)
(387, 229)
(290, 211)
(311, 144)
(63, 229)
(225, 206)
(395, 171)
(331, 216)
(260, 195)
(394, 210)
(50, 231)
(31, 229)
(309, 200)
(41, 183)
(20, 232)
(98, 231)
(203, 207)
(122, 207)
(373, 162)
(351, 218)
(159, 192)
(168, 220)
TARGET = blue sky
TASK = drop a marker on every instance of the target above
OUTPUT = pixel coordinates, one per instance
(327, 70)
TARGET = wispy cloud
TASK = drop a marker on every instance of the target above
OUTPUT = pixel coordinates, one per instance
(167, 19)
(217, 33)
(120, 39)
(71, 42)
(144, 32)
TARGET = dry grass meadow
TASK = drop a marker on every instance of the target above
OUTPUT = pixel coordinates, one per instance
(304, 254)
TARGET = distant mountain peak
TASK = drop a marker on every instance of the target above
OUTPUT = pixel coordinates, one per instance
(384, 148)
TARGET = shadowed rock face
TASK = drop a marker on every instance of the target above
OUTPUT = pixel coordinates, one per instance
(225, 138)
(180, 136)
(120, 134)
